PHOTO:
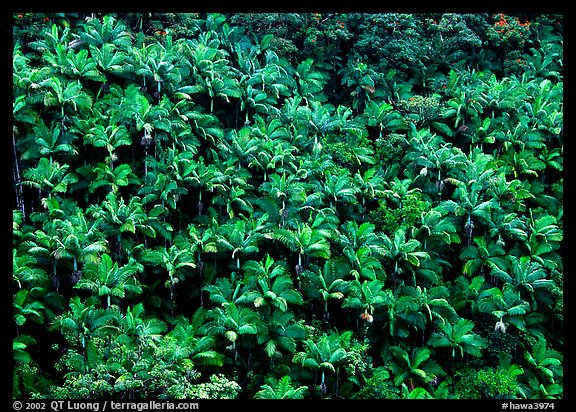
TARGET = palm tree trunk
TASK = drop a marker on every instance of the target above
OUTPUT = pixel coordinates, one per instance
(145, 163)
(17, 179)
(234, 359)
(336, 384)
(323, 384)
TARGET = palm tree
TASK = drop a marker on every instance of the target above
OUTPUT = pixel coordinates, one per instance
(174, 259)
(405, 254)
(48, 142)
(544, 240)
(21, 113)
(436, 230)
(142, 330)
(211, 69)
(431, 156)
(414, 367)
(49, 177)
(106, 278)
(232, 322)
(543, 363)
(522, 164)
(471, 191)
(107, 30)
(367, 297)
(508, 226)
(315, 167)
(310, 81)
(202, 241)
(81, 241)
(362, 247)
(204, 177)
(19, 347)
(270, 287)
(83, 321)
(46, 246)
(109, 59)
(236, 201)
(458, 336)
(280, 389)
(306, 241)
(370, 185)
(271, 78)
(25, 271)
(82, 66)
(267, 269)
(363, 264)
(236, 237)
(110, 137)
(279, 334)
(420, 307)
(399, 190)
(353, 236)
(163, 188)
(338, 188)
(64, 96)
(235, 189)
(483, 254)
(199, 349)
(27, 307)
(284, 188)
(158, 62)
(241, 145)
(226, 290)
(324, 353)
(326, 283)
(506, 305)
(525, 275)
(465, 293)
(383, 116)
(116, 217)
(52, 38)
(111, 178)
(361, 79)
(536, 390)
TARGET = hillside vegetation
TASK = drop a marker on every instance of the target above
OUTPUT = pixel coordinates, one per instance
(353, 206)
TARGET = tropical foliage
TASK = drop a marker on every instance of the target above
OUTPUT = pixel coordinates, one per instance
(287, 206)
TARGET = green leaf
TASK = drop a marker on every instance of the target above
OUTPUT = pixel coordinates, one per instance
(128, 226)
(419, 372)
(442, 128)
(231, 335)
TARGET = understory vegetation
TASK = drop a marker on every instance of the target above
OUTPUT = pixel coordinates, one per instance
(309, 206)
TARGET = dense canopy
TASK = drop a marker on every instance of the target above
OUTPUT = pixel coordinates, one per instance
(297, 205)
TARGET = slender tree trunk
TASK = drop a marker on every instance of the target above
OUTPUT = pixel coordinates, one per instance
(234, 352)
(336, 384)
(145, 163)
(200, 204)
(18, 181)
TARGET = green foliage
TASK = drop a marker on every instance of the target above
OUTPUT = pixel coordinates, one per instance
(281, 389)
(29, 382)
(287, 205)
(406, 212)
(378, 386)
(489, 383)
(218, 387)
